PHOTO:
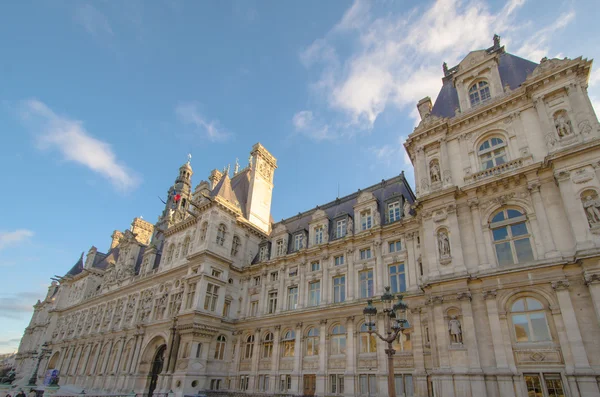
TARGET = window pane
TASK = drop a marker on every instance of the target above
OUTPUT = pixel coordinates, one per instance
(488, 164)
(500, 234)
(524, 252)
(513, 213)
(518, 306)
(399, 384)
(539, 326)
(484, 145)
(554, 385)
(500, 160)
(534, 386)
(498, 217)
(408, 386)
(533, 304)
(521, 327)
(504, 254)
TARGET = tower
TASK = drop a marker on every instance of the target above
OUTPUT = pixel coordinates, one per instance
(181, 192)
(262, 167)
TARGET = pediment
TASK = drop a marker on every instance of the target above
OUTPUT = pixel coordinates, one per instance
(318, 214)
(363, 197)
(474, 58)
(279, 229)
(549, 64)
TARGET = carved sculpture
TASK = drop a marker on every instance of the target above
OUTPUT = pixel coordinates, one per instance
(455, 330)
(350, 227)
(434, 172)
(562, 124)
(591, 205)
(407, 207)
(443, 244)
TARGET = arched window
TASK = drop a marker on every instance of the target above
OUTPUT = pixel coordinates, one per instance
(249, 348)
(529, 321)
(402, 343)
(479, 92)
(312, 342)
(221, 234)
(289, 343)
(186, 246)
(492, 153)
(203, 231)
(267, 346)
(368, 343)
(235, 246)
(178, 251)
(511, 237)
(338, 340)
(170, 252)
(220, 350)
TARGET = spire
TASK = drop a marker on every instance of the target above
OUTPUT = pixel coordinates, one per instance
(237, 167)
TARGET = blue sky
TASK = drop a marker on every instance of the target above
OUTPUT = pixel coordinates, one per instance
(100, 102)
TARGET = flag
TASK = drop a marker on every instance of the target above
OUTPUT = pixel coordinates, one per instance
(177, 197)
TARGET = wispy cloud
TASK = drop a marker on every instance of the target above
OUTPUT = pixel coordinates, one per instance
(10, 342)
(17, 305)
(92, 20)
(70, 138)
(306, 124)
(189, 113)
(8, 239)
(537, 46)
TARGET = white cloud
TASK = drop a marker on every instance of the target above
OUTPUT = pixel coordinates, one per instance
(12, 238)
(92, 20)
(189, 113)
(72, 140)
(391, 153)
(305, 124)
(537, 46)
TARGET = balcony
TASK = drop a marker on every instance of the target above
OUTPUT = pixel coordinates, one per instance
(500, 169)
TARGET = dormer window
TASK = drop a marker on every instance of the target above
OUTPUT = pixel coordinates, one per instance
(393, 211)
(492, 153)
(366, 220)
(340, 228)
(280, 248)
(479, 92)
(263, 253)
(298, 242)
(319, 235)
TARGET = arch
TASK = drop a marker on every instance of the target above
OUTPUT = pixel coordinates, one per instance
(156, 368)
(492, 149)
(220, 347)
(221, 231)
(511, 236)
(479, 92)
(289, 343)
(336, 328)
(367, 341)
(203, 230)
(148, 351)
(128, 351)
(529, 318)
(249, 346)
(516, 203)
(545, 297)
(91, 360)
(53, 362)
(186, 246)
(267, 345)
(337, 339)
(170, 252)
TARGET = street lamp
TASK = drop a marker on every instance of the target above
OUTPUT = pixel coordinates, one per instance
(394, 322)
(43, 351)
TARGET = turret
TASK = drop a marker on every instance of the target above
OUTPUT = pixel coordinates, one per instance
(260, 192)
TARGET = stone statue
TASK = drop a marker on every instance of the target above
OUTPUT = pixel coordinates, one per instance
(563, 126)
(455, 330)
(591, 206)
(407, 207)
(170, 216)
(434, 172)
(443, 244)
(9, 378)
(350, 226)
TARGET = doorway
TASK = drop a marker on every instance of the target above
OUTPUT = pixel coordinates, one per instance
(310, 383)
(156, 369)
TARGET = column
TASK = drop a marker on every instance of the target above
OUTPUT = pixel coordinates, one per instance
(349, 374)
(429, 251)
(245, 309)
(301, 286)
(281, 294)
(446, 170)
(94, 368)
(423, 181)
(494, 320)
(519, 132)
(382, 361)
(540, 210)
(458, 261)
(275, 359)
(441, 331)
(119, 354)
(86, 359)
(593, 283)
(257, 344)
(351, 274)
(575, 214)
(470, 341)
(323, 353)
(263, 304)
(477, 231)
(420, 376)
(411, 267)
(298, 357)
(464, 151)
(106, 359)
(379, 271)
(543, 115)
(325, 281)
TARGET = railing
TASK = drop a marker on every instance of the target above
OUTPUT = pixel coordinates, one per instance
(223, 393)
(511, 165)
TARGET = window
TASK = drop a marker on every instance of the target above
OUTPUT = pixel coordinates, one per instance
(280, 247)
(212, 294)
(216, 273)
(492, 153)
(263, 382)
(220, 350)
(191, 295)
(226, 308)
(170, 253)
(244, 382)
(339, 289)
(479, 92)
(511, 237)
(263, 253)
(256, 281)
(249, 347)
(312, 342)
(292, 298)
(552, 384)
(272, 302)
(221, 234)
(367, 385)
(319, 235)
(338, 340)
(397, 278)
(338, 260)
(298, 242)
(393, 211)
(186, 246)
(395, 246)
(529, 321)
(402, 343)
(267, 348)
(235, 246)
(315, 266)
(274, 276)
(336, 384)
(340, 228)
(178, 250)
(293, 271)
(368, 343)
(365, 253)
(203, 231)
(366, 220)
(365, 279)
(199, 350)
(404, 385)
(215, 384)
(286, 382)
(289, 343)
(314, 293)
(253, 308)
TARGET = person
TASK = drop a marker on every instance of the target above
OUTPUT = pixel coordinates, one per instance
(20, 393)
(32, 393)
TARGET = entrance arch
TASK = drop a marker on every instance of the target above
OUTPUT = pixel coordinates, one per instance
(156, 368)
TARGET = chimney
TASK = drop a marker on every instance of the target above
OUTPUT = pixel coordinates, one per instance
(214, 178)
(424, 107)
(142, 229)
(116, 239)
(91, 256)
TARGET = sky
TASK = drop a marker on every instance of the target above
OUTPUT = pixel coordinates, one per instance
(100, 103)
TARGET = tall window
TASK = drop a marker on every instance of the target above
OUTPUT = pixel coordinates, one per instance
(170, 253)
(365, 253)
(319, 235)
(274, 276)
(289, 343)
(368, 343)
(393, 211)
(267, 348)
(244, 382)
(340, 228)
(395, 246)
(367, 384)
(186, 246)
(479, 92)
(253, 308)
(298, 242)
(191, 295)
(404, 385)
(397, 278)
(314, 293)
(312, 342)
(336, 384)
(263, 382)
(315, 266)
(221, 234)
(263, 253)
(249, 347)
(235, 246)
(365, 279)
(203, 231)
(339, 289)
(338, 340)
(511, 237)
(402, 343)
(215, 384)
(292, 301)
(280, 248)
(338, 260)
(536, 383)
(212, 295)
(220, 350)
(272, 302)
(492, 153)
(529, 321)
(366, 220)
(226, 308)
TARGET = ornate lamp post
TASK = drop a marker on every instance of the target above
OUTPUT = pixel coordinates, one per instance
(394, 322)
(43, 351)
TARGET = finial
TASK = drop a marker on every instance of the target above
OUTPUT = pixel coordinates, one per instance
(227, 169)
(250, 161)
(189, 157)
(237, 167)
(496, 42)
(445, 68)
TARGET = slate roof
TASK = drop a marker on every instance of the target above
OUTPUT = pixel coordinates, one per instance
(513, 71)
(77, 267)
(241, 185)
(225, 191)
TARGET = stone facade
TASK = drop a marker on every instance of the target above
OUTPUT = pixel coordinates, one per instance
(497, 257)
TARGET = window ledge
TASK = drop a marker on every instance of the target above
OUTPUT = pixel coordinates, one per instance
(500, 169)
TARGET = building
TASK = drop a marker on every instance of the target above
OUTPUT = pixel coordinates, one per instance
(497, 255)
